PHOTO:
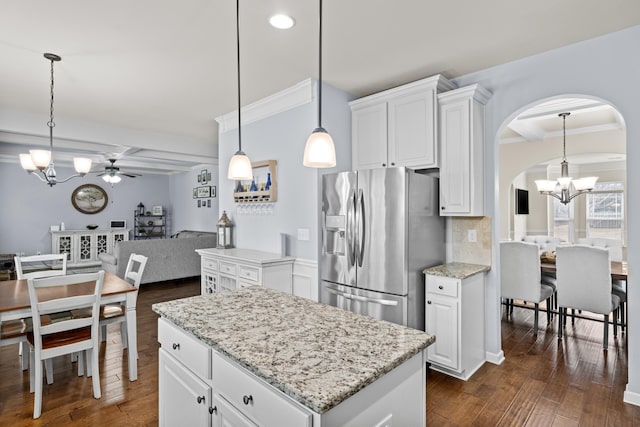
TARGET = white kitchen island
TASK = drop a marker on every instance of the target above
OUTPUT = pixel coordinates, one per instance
(257, 356)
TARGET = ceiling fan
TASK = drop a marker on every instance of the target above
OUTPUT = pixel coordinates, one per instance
(112, 173)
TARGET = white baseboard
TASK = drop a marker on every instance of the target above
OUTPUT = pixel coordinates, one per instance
(631, 397)
(495, 358)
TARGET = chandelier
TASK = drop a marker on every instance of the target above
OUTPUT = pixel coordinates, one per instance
(565, 188)
(42, 160)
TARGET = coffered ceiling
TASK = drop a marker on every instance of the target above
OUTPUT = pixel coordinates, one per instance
(167, 68)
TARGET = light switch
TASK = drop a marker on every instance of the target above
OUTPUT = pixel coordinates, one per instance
(472, 236)
(303, 234)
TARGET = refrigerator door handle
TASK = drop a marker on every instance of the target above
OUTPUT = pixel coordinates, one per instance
(351, 237)
(361, 298)
(360, 216)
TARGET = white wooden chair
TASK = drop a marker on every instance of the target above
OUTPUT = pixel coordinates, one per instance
(15, 331)
(584, 283)
(115, 313)
(520, 277)
(68, 335)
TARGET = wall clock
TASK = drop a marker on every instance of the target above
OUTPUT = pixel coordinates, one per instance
(89, 199)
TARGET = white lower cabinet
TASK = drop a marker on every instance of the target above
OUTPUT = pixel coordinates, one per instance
(228, 269)
(225, 415)
(454, 313)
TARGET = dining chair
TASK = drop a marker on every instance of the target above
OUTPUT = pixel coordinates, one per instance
(67, 335)
(520, 277)
(15, 331)
(584, 283)
(115, 313)
(619, 287)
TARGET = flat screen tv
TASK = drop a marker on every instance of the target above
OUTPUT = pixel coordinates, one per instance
(522, 202)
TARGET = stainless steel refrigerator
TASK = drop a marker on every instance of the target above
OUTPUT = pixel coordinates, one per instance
(380, 229)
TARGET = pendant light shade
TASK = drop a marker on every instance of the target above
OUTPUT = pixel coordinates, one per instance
(320, 152)
(239, 166)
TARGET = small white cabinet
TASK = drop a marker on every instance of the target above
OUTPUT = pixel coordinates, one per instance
(462, 151)
(454, 313)
(228, 269)
(398, 127)
(84, 246)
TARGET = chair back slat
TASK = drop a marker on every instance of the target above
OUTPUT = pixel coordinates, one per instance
(66, 325)
(59, 261)
(64, 304)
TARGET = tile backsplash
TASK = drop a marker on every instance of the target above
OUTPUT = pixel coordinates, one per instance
(478, 252)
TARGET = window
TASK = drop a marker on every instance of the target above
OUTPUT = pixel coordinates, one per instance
(605, 211)
(562, 220)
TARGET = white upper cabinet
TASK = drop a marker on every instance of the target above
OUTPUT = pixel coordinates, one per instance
(462, 151)
(398, 127)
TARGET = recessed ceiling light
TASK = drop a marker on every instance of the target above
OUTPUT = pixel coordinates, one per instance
(282, 22)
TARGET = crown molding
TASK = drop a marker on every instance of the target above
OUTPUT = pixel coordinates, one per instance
(299, 94)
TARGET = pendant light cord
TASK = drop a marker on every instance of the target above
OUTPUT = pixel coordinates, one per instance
(51, 123)
(320, 71)
(238, 46)
(564, 135)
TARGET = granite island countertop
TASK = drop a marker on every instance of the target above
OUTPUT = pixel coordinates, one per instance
(317, 354)
(456, 270)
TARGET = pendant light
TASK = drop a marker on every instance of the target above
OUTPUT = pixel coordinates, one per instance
(320, 152)
(561, 189)
(239, 165)
(42, 160)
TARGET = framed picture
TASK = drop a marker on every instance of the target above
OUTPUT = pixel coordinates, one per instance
(199, 178)
(199, 202)
(208, 176)
(213, 191)
(208, 203)
(89, 199)
(204, 192)
(203, 176)
(195, 193)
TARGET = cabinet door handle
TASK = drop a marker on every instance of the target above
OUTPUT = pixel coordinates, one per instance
(176, 346)
(393, 164)
(442, 208)
(440, 287)
(200, 399)
(213, 410)
(428, 302)
(247, 399)
(384, 164)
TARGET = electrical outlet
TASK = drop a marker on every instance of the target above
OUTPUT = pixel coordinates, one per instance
(303, 234)
(472, 236)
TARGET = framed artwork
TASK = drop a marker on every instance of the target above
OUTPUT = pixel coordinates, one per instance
(199, 202)
(204, 192)
(213, 191)
(204, 174)
(195, 193)
(89, 199)
(208, 176)
(199, 178)
(208, 203)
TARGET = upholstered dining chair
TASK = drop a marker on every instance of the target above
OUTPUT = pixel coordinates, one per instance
(584, 283)
(67, 335)
(520, 277)
(619, 287)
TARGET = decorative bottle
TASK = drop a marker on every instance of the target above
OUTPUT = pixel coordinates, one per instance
(253, 187)
(239, 188)
(267, 186)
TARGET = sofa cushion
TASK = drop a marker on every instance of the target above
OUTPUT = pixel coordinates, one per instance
(108, 258)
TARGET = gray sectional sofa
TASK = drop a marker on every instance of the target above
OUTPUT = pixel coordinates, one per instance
(169, 259)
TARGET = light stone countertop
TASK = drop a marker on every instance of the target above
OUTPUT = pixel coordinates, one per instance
(456, 270)
(318, 354)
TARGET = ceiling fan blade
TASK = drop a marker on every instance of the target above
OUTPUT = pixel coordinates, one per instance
(130, 175)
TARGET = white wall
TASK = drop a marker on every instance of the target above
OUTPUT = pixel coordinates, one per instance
(186, 213)
(29, 207)
(282, 137)
(605, 68)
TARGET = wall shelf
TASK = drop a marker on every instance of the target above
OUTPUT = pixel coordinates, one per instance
(260, 196)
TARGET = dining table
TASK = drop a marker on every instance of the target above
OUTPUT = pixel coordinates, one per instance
(15, 304)
(618, 269)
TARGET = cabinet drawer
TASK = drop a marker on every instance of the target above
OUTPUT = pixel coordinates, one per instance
(265, 405)
(443, 286)
(185, 348)
(210, 264)
(227, 268)
(248, 273)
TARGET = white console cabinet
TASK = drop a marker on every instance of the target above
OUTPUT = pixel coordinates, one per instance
(462, 151)
(227, 269)
(454, 313)
(398, 127)
(83, 246)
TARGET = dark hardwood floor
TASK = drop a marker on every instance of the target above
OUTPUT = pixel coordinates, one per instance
(542, 382)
